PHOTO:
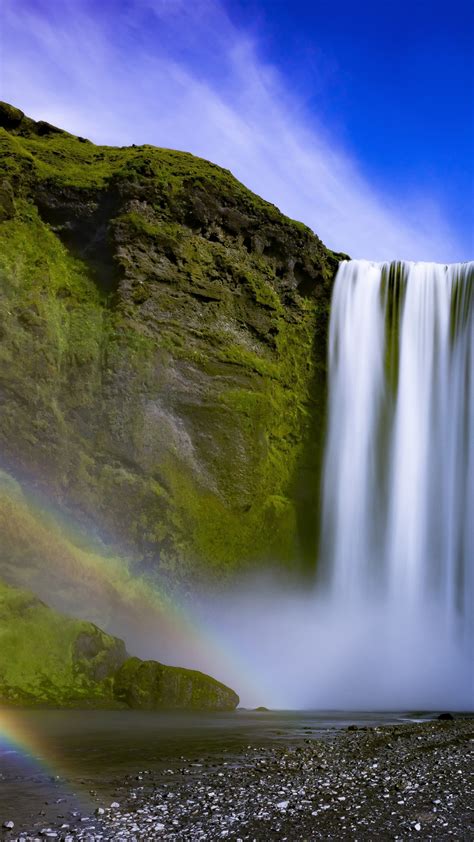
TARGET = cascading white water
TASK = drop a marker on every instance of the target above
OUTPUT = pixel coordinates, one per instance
(398, 496)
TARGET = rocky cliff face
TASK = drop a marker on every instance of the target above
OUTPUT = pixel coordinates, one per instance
(148, 685)
(162, 350)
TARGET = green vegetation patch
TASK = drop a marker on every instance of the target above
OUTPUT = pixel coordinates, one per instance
(47, 658)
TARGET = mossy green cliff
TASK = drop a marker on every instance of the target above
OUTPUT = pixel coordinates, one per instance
(162, 350)
(52, 660)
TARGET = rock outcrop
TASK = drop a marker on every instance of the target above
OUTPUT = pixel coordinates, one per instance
(147, 685)
(50, 660)
(162, 349)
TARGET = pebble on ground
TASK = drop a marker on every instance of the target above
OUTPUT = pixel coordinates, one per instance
(389, 783)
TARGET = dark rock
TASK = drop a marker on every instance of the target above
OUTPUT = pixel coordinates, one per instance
(148, 685)
(44, 128)
(446, 717)
(10, 117)
(7, 201)
(97, 655)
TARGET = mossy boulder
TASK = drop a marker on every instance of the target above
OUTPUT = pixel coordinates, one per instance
(50, 660)
(148, 685)
(162, 351)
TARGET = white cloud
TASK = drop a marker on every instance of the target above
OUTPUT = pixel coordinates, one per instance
(183, 76)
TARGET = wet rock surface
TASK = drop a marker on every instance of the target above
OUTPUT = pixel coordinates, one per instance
(392, 782)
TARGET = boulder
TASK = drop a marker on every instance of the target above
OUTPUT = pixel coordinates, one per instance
(148, 685)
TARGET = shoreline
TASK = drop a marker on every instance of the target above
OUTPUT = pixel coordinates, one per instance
(363, 782)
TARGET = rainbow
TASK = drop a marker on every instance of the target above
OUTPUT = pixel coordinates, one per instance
(16, 736)
(19, 738)
(61, 557)
(20, 741)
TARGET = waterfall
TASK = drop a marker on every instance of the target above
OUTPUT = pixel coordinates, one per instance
(388, 623)
(398, 488)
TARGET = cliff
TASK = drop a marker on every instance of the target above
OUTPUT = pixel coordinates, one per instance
(162, 351)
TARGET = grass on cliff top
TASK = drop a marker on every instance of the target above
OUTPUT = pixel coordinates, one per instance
(65, 159)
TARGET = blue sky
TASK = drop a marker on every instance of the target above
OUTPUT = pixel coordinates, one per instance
(355, 117)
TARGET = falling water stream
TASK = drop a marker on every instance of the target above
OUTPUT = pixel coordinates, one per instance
(398, 512)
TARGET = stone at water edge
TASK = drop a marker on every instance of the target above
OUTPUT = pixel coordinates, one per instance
(149, 685)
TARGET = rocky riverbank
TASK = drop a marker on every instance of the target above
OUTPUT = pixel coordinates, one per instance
(390, 782)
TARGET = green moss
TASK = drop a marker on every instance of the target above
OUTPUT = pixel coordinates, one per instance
(52, 324)
(47, 298)
(272, 420)
(166, 234)
(17, 161)
(264, 292)
(64, 159)
(63, 562)
(47, 658)
(147, 685)
(242, 356)
(65, 317)
(393, 290)
(249, 403)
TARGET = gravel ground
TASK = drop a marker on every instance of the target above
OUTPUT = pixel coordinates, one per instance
(391, 782)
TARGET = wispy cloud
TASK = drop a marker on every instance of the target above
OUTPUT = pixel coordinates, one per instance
(182, 75)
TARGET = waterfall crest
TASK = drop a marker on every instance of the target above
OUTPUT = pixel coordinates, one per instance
(398, 489)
